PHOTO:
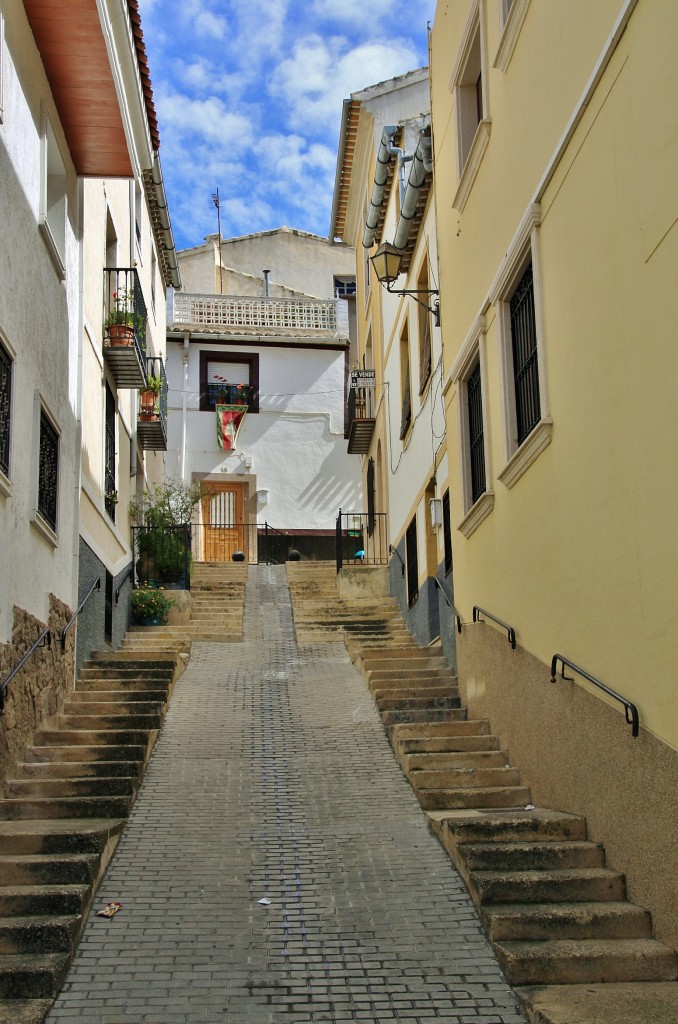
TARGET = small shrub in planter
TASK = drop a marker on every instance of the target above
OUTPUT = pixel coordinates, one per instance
(150, 607)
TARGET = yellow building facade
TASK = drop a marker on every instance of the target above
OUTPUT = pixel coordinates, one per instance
(555, 145)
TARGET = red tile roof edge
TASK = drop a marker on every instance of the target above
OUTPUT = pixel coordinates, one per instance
(145, 73)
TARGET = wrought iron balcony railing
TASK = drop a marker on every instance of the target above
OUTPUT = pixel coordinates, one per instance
(246, 311)
(152, 415)
(361, 420)
(125, 327)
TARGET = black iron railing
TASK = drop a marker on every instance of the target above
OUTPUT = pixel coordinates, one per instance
(361, 539)
(162, 556)
(126, 313)
(477, 612)
(630, 710)
(44, 640)
(449, 602)
(360, 404)
(95, 586)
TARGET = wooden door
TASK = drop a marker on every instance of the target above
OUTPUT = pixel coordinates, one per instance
(223, 522)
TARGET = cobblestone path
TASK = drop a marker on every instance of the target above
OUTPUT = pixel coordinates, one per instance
(272, 780)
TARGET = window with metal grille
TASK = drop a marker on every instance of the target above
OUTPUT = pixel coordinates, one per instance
(476, 433)
(406, 418)
(447, 532)
(110, 494)
(48, 471)
(412, 563)
(5, 407)
(525, 365)
(108, 609)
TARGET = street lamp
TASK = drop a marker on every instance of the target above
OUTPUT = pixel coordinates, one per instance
(387, 263)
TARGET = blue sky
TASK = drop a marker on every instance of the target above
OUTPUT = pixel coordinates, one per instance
(249, 96)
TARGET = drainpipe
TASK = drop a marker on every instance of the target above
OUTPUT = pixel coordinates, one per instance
(184, 407)
(421, 164)
(386, 149)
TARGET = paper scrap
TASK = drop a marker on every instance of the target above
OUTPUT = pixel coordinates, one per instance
(110, 909)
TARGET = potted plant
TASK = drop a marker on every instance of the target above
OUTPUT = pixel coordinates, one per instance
(161, 517)
(148, 399)
(123, 322)
(150, 607)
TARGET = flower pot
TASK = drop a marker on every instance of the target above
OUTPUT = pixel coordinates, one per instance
(121, 334)
(147, 401)
(149, 417)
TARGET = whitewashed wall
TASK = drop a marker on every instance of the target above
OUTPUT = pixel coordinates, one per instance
(296, 440)
(39, 322)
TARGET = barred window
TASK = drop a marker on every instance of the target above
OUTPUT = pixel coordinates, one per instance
(476, 433)
(412, 560)
(447, 532)
(48, 471)
(110, 494)
(525, 365)
(5, 407)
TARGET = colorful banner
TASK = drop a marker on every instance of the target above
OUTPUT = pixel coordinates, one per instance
(229, 418)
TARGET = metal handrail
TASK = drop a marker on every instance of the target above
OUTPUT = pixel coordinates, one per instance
(45, 636)
(129, 574)
(629, 708)
(477, 612)
(393, 551)
(95, 586)
(449, 602)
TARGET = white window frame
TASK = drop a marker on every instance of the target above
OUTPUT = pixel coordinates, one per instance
(53, 213)
(524, 248)
(470, 155)
(42, 526)
(511, 18)
(471, 352)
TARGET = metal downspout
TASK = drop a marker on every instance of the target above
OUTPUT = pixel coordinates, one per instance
(386, 149)
(421, 164)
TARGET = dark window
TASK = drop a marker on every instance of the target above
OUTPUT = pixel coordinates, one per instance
(412, 562)
(110, 495)
(447, 532)
(229, 379)
(5, 408)
(344, 287)
(475, 433)
(108, 609)
(48, 471)
(525, 366)
(406, 418)
(370, 497)
(479, 97)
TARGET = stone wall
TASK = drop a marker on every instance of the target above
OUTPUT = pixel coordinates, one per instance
(39, 690)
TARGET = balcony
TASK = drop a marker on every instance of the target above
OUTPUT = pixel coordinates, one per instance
(243, 313)
(125, 327)
(361, 420)
(152, 414)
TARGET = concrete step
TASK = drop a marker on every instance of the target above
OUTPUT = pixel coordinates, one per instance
(611, 1003)
(442, 715)
(38, 933)
(545, 921)
(569, 885)
(60, 836)
(27, 789)
(81, 753)
(586, 961)
(436, 730)
(461, 778)
(128, 671)
(422, 702)
(92, 737)
(24, 1011)
(442, 745)
(32, 975)
(13, 809)
(48, 869)
(455, 759)
(110, 710)
(30, 900)
(537, 824)
(540, 856)
(136, 698)
(77, 769)
(470, 797)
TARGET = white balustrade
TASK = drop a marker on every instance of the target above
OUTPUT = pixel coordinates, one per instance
(250, 311)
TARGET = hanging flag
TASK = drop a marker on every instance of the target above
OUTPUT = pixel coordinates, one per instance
(229, 418)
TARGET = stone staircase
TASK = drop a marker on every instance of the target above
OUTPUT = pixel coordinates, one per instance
(61, 815)
(566, 936)
(217, 602)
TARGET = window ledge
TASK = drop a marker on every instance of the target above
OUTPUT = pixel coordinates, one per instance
(532, 446)
(53, 249)
(5, 486)
(45, 529)
(472, 165)
(480, 511)
(512, 27)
